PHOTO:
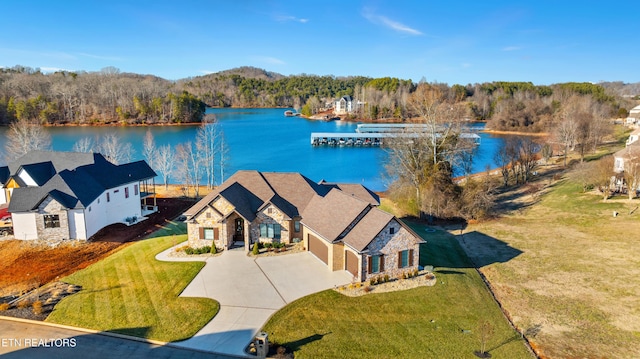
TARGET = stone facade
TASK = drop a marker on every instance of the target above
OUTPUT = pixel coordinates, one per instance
(52, 207)
(209, 218)
(270, 214)
(389, 244)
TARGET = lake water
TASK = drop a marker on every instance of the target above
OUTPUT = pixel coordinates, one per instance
(265, 140)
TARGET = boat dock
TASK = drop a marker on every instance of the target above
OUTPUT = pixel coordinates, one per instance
(368, 139)
(401, 127)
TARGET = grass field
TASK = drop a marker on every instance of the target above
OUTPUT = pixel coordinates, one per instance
(132, 293)
(577, 279)
(427, 322)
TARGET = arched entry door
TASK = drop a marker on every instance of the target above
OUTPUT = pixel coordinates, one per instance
(238, 235)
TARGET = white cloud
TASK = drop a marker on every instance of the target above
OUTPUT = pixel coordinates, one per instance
(100, 57)
(391, 24)
(285, 18)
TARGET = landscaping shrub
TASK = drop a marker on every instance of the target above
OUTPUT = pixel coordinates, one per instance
(201, 250)
(386, 278)
(37, 307)
(23, 304)
(4, 306)
(256, 249)
(372, 281)
(214, 250)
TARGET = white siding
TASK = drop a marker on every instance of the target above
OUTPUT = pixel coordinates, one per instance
(27, 178)
(3, 196)
(77, 228)
(24, 226)
(116, 210)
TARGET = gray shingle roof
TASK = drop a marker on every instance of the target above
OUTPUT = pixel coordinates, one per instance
(79, 178)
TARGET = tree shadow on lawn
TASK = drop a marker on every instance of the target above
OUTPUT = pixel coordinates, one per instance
(444, 250)
(294, 346)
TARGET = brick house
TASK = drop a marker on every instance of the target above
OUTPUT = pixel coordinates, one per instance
(339, 223)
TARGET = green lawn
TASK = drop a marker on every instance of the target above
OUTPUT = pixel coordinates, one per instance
(578, 277)
(427, 322)
(130, 292)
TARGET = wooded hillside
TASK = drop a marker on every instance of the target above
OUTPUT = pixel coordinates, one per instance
(111, 96)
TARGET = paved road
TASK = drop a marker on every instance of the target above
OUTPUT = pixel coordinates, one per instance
(39, 341)
(249, 291)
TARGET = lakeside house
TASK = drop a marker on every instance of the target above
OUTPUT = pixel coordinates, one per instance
(634, 116)
(338, 223)
(70, 195)
(345, 105)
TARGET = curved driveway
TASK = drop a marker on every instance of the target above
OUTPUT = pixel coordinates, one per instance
(249, 291)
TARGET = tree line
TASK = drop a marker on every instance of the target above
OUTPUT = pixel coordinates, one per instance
(109, 96)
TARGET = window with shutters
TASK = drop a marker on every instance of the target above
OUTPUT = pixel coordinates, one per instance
(376, 264)
(208, 234)
(405, 258)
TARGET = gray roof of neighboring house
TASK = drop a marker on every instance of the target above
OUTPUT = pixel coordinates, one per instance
(74, 186)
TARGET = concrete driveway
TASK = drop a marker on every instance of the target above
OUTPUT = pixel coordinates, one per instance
(249, 291)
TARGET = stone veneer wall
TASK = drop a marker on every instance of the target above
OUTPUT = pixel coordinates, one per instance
(275, 217)
(208, 218)
(389, 245)
(50, 206)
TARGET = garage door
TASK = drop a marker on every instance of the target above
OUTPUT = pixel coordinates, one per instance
(317, 247)
(351, 263)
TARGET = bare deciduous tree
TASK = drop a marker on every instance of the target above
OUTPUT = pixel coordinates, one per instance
(566, 134)
(24, 136)
(84, 144)
(149, 148)
(423, 158)
(165, 161)
(632, 175)
(189, 166)
(206, 145)
(112, 148)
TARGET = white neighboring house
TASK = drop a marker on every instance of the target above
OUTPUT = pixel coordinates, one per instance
(634, 116)
(633, 137)
(70, 195)
(346, 104)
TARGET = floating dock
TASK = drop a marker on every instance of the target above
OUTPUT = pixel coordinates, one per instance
(368, 139)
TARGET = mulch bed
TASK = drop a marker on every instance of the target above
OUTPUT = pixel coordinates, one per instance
(26, 307)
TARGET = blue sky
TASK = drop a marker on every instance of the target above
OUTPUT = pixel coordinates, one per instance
(460, 42)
